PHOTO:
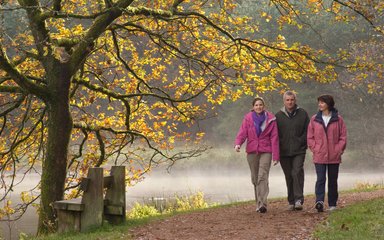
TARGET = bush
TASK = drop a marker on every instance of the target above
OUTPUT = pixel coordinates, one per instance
(178, 204)
(142, 210)
(366, 186)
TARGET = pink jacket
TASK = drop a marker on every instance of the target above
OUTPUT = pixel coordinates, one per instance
(267, 142)
(327, 144)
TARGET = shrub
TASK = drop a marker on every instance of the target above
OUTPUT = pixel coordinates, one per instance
(142, 210)
(366, 186)
(178, 204)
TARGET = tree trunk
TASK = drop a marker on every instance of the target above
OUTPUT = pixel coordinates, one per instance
(55, 163)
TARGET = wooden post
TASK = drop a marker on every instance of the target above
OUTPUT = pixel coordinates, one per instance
(114, 210)
(92, 216)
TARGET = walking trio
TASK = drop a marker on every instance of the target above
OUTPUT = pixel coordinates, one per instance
(284, 137)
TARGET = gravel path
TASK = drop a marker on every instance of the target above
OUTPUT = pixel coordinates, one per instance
(243, 222)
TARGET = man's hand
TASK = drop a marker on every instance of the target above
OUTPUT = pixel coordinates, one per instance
(237, 148)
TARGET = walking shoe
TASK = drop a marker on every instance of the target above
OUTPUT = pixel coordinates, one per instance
(332, 208)
(319, 206)
(262, 209)
(291, 207)
(298, 205)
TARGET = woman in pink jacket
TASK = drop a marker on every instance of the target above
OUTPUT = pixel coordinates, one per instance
(327, 139)
(260, 130)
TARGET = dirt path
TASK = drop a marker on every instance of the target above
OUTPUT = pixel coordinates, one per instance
(243, 222)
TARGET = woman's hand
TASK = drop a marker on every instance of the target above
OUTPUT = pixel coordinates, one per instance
(237, 148)
(275, 162)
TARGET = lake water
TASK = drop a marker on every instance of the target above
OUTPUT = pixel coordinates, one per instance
(220, 188)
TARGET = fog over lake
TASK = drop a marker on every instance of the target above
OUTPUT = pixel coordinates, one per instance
(219, 186)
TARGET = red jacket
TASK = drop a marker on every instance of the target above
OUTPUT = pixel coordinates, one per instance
(267, 142)
(327, 143)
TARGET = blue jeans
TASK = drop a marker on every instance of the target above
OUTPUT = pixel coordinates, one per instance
(333, 174)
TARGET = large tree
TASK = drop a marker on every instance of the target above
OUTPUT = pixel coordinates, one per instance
(84, 83)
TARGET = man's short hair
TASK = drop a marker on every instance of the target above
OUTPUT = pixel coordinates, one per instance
(289, 93)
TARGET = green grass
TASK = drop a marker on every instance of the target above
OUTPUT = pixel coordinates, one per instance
(363, 220)
(107, 231)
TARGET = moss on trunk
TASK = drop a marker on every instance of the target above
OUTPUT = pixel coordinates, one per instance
(55, 163)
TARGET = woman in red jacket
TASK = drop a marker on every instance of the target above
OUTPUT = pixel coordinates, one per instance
(260, 130)
(327, 139)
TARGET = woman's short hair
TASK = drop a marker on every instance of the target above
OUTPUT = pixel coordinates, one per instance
(258, 99)
(328, 99)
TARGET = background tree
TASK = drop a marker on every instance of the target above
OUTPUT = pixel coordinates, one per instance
(84, 83)
(352, 33)
(357, 28)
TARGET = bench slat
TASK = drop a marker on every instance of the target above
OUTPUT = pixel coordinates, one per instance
(70, 205)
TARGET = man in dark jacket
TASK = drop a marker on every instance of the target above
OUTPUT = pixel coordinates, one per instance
(292, 123)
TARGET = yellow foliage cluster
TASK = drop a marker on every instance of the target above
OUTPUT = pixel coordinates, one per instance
(7, 209)
(158, 206)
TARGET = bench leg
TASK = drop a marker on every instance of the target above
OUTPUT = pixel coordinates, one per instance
(69, 221)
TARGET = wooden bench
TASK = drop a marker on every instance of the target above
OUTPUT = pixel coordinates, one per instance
(82, 214)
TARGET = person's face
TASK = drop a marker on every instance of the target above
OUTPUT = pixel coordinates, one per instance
(258, 107)
(289, 102)
(322, 106)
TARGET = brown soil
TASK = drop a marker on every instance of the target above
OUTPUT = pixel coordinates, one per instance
(243, 222)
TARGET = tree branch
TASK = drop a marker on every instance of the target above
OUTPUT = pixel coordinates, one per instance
(25, 84)
(101, 148)
(11, 89)
(38, 28)
(17, 104)
(98, 27)
(57, 5)
(356, 10)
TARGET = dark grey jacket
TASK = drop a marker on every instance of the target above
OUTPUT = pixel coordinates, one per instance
(292, 132)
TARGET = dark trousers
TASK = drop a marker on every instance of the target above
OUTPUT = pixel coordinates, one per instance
(293, 168)
(333, 174)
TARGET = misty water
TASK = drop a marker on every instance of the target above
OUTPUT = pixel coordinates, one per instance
(219, 186)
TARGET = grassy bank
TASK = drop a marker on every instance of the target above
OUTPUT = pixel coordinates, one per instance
(105, 232)
(363, 220)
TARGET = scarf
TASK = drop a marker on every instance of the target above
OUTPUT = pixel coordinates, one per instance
(291, 114)
(258, 121)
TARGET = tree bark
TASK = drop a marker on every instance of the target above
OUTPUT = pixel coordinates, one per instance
(55, 163)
